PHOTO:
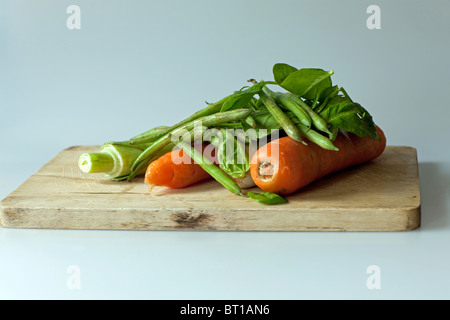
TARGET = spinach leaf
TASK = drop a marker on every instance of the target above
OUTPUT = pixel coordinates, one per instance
(309, 83)
(281, 71)
(347, 115)
(267, 197)
(241, 99)
(327, 94)
(333, 97)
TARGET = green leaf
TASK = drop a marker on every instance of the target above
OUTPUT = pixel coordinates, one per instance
(267, 197)
(333, 97)
(281, 71)
(327, 94)
(241, 99)
(342, 113)
(309, 83)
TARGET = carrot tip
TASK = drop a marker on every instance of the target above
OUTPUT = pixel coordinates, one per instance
(151, 187)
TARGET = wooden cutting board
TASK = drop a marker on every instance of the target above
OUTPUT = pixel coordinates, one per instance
(382, 195)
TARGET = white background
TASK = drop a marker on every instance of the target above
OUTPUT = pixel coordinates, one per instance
(134, 65)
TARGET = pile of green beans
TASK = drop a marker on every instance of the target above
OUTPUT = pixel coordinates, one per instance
(297, 118)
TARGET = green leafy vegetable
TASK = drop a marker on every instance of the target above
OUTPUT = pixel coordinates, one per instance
(327, 94)
(351, 117)
(341, 112)
(241, 99)
(308, 83)
(266, 197)
(281, 71)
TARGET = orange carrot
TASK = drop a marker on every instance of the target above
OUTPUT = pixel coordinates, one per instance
(296, 165)
(176, 170)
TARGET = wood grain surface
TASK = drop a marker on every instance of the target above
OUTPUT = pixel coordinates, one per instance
(382, 195)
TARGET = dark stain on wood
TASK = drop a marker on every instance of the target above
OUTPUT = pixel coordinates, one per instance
(191, 220)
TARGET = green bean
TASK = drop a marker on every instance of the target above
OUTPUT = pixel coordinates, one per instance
(209, 120)
(281, 118)
(333, 132)
(209, 110)
(150, 135)
(253, 104)
(291, 105)
(215, 119)
(317, 120)
(229, 125)
(152, 132)
(156, 133)
(251, 121)
(206, 164)
(317, 138)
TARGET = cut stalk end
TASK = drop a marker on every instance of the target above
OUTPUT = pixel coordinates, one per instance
(96, 162)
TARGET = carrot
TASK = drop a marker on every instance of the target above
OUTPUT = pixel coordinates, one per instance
(296, 165)
(176, 169)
